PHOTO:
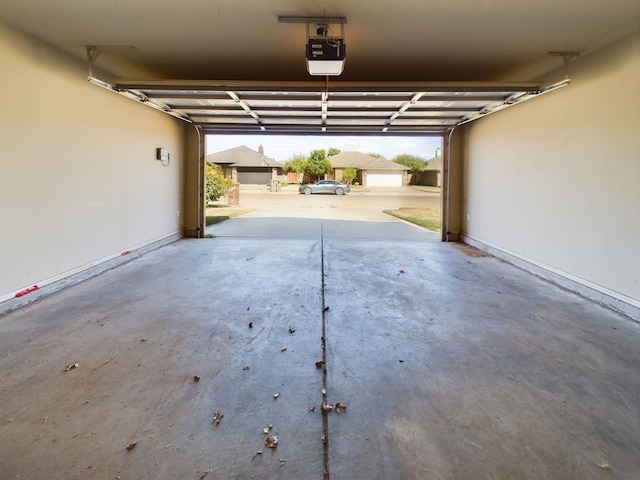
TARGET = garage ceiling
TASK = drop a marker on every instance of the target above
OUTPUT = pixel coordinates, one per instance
(413, 66)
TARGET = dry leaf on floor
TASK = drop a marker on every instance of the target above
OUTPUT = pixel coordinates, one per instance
(272, 441)
(267, 429)
(603, 465)
(131, 445)
(217, 416)
(341, 407)
(70, 366)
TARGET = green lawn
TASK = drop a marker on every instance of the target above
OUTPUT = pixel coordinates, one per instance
(428, 218)
(220, 213)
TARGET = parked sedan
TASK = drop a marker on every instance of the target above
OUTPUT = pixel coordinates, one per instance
(325, 186)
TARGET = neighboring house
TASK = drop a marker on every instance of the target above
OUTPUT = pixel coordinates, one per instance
(430, 176)
(246, 166)
(372, 171)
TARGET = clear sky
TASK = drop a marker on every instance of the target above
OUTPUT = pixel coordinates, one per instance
(283, 147)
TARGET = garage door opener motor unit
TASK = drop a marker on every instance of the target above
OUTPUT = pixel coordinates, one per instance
(325, 55)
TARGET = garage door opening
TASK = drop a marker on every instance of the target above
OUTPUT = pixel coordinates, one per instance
(386, 177)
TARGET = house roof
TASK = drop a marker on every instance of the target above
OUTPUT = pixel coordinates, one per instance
(435, 163)
(242, 156)
(363, 161)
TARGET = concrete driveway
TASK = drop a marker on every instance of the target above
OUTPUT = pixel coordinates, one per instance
(355, 215)
(368, 356)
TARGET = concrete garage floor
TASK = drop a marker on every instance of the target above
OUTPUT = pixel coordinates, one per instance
(452, 364)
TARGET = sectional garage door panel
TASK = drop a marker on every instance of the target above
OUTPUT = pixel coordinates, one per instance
(402, 108)
(384, 180)
(254, 176)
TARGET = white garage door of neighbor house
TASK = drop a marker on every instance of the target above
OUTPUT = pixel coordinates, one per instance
(384, 180)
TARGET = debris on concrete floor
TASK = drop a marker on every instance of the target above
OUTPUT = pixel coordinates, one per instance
(272, 441)
(282, 461)
(70, 366)
(205, 473)
(324, 438)
(196, 378)
(250, 324)
(283, 349)
(245, 368)
(259, 452)
(603, 465)
(325, 309)
(132, 445)
(339, 406)
(292, 330)
(319, 364)
(312, 408)
(267, 429)
(217, 416)
(276, 395)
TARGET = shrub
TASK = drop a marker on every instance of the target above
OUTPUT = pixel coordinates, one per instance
(349, 175)
(217, 185)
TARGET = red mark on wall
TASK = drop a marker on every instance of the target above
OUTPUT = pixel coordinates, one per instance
(22, 293)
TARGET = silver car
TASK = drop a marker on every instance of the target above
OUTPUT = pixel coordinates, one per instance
(325, 186)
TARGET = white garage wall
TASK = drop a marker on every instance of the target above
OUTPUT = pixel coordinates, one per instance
(556, 181)
(79, 181)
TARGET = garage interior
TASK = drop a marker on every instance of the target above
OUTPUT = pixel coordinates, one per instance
(506, 348)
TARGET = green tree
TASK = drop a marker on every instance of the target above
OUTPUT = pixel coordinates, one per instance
(297, 164)
(317, 164)
(333, 151)
(416, 164)
(374, 155)
(349, 175)
(217, 185)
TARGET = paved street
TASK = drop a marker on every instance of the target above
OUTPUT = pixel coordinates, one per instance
(363, 206)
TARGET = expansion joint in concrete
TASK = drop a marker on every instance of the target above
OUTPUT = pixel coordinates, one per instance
(325, 413)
